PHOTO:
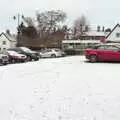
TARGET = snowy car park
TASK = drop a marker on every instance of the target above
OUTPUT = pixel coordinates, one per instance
(60, 89)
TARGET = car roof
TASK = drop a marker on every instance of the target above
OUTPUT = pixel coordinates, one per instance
(116, 44)
(110, 43)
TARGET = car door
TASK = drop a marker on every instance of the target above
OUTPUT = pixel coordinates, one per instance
(112, 53)
(46, 53)
(101, 52)
(49, 52)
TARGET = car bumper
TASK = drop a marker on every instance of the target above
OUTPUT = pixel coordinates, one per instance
(4, 61)
(87, 56)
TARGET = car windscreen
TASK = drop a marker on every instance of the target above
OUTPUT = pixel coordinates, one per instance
(95, 46)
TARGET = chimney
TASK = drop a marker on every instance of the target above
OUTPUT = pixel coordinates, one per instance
(81, 28)
(103, 29)
(86, 28)
(8, 31)
(98, 28)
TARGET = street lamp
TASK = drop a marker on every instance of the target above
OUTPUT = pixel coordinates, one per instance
(19, 18)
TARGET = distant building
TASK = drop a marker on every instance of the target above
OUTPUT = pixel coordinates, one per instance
(84, 40)
(114, 35)
(7, 41)
(93, 35)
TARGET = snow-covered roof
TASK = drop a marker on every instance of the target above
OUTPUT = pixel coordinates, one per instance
(9, 37)
(118, 25)
(80, 41)
(94, 33)
(25, 49)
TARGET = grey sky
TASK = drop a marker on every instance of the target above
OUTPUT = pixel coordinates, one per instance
(99, 12)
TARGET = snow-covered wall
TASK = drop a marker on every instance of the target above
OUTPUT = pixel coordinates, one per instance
(8, 44)
(113, 36)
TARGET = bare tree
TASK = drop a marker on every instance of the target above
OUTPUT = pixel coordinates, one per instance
(50, 18)
(29, 21)
(41, 27)
(81, 25)
(48, 21)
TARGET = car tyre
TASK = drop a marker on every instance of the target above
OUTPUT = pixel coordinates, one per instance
(0, 62)
(29, 58)
(13, 61)
(53, 56)
(5, 63)
(36, 59)
(93, 58)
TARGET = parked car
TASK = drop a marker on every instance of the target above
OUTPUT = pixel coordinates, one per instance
(51, 53)
(31, 55)
(4, 59)
(103, 52)
(16, 57)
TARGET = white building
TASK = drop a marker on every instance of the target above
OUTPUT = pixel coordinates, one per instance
(7, 41)
(114, 35)
(86, 40)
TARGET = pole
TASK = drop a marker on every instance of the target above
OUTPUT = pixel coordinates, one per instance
(18, 19)
(18, 29)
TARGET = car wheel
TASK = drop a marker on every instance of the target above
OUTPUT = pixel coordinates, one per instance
(5, 63)
(22, 61)
(53, 55)
(12, 61)
(93, 58)
(36, 59)
(0, 62)
(29, 58)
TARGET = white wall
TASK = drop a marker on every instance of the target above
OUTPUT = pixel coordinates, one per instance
(8, 44)
(113, 37)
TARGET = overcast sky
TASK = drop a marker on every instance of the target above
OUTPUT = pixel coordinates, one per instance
(98, 12)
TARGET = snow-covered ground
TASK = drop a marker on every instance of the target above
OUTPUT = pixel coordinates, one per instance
(60, 89)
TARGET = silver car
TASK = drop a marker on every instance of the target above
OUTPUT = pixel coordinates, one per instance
(4, 59)
(47, 53)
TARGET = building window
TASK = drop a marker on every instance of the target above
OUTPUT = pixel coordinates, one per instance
(4, 49)
(117, 34)
(4, 42)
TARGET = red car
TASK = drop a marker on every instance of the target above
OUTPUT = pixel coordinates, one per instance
(15, 57)
(103, 52)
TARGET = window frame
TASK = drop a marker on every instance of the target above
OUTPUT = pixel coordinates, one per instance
(4, 42)
(118, 35)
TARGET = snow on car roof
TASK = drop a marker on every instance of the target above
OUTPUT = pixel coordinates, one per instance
(117, 44)
(95, 33)
(12, 52)
(25, 49)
